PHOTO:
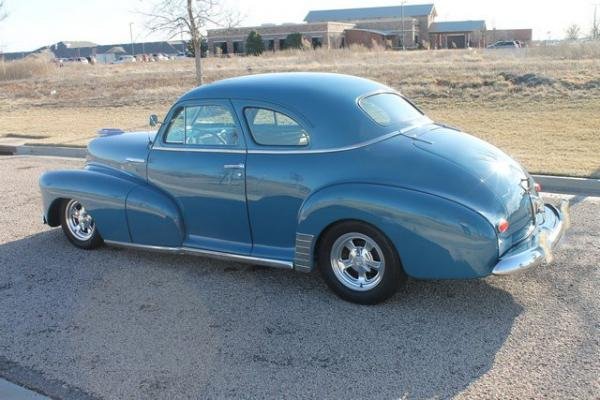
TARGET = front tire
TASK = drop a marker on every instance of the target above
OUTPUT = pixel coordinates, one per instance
(359, 263)
(78, 225)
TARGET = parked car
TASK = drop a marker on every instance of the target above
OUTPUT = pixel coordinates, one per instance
(505, 44)
(159, 57)
(81, 60)
(307, 170)
(125, 59)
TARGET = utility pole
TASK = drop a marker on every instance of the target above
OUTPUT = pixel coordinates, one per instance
(131, 37)
(402, 18)
(595, 28)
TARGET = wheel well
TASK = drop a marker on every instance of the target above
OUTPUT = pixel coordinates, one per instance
(53, 216)
(341, 221)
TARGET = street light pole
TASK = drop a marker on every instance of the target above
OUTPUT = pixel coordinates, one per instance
(131, 37)
(402, 18)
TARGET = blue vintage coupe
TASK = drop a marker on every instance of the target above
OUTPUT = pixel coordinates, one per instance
(307, 170)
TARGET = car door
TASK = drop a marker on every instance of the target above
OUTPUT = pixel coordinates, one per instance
(279, 174)
(199, 158)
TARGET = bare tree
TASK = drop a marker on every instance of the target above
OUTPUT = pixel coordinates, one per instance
(3, 14)
(573, 32)
(595, 34)
(190, 16)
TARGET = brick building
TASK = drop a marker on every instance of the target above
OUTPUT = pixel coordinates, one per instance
(233, 40)
(404, 26)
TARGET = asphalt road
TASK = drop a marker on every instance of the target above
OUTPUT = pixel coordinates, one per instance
(116, 323)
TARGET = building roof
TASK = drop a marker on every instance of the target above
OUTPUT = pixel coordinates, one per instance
(457, 26)
(353, 14)
(77, 44)
(375, 31)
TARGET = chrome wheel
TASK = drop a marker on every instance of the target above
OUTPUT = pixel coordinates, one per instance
(79, 223)
(357, 261)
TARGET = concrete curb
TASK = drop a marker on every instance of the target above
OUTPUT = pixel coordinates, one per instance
(568, 185)
(76, 152)
(9, 390)
(552, 184)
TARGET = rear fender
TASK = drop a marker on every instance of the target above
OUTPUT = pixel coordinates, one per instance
(435, 238)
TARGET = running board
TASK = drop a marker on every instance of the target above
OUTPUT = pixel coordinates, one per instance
(267, 262)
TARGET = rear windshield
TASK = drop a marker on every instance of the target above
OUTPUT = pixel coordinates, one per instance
(390, 109)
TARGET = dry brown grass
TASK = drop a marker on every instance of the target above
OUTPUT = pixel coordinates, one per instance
(31, 66)
(541, 105)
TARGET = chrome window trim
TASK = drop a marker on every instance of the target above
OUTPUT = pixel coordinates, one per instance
(268, 262)
(344, 148)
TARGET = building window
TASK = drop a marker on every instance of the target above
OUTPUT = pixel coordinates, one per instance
(238, 47)
(316, 42)
(282, 45)
(269, 44)
(220, 48)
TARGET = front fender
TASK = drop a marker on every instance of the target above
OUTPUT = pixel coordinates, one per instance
(125, 208)
(435, 238)
(101, 194)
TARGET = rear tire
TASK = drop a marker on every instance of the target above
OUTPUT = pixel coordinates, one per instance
(78, 225)
(359, 263)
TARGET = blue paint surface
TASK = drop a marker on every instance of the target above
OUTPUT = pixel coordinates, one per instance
(435, 192)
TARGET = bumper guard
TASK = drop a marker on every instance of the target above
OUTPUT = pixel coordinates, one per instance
(538, 248)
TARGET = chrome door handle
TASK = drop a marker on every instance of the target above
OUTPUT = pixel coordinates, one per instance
(234, 166)
(135, 160)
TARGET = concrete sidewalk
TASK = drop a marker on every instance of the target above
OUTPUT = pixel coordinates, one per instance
(10, 391)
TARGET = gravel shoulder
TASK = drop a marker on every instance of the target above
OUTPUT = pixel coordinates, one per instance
(117, 323)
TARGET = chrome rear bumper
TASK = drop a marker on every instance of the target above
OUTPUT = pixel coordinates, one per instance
(538, 248)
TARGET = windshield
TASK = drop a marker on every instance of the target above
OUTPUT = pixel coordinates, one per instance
(390, 109)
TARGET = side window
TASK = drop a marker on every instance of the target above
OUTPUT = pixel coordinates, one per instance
(272, 128)
(205, 125)
(176, 129)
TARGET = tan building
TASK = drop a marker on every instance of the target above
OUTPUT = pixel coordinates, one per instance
(408, 26)
(457, 34)
(232, 41)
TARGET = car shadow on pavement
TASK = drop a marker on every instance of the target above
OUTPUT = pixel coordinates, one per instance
(131, 324)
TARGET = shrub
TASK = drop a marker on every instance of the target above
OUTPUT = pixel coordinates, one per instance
(31, 66)
(296, 41)
(254, 44)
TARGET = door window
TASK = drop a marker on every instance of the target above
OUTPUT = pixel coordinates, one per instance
(203, 125)
(272, 128)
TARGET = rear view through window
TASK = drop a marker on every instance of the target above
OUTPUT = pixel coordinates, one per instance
(272, 128)
(389, 109)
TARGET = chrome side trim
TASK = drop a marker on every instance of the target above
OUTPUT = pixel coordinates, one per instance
(334, 149)
(303, 260)
(539, 248)
(199, 149)
(267, 262)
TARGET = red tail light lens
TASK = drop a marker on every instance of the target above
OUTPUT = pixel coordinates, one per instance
(503, 226)
(538, 187)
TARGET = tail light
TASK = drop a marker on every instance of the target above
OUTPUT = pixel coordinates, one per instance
(502, 226)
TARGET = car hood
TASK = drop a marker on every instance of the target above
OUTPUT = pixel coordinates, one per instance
(125, 151)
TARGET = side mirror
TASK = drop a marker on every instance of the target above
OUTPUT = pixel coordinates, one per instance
(153, 121)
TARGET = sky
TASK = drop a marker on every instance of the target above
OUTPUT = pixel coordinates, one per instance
(35, 23)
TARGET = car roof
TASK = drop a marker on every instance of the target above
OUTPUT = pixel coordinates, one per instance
(327, 101)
